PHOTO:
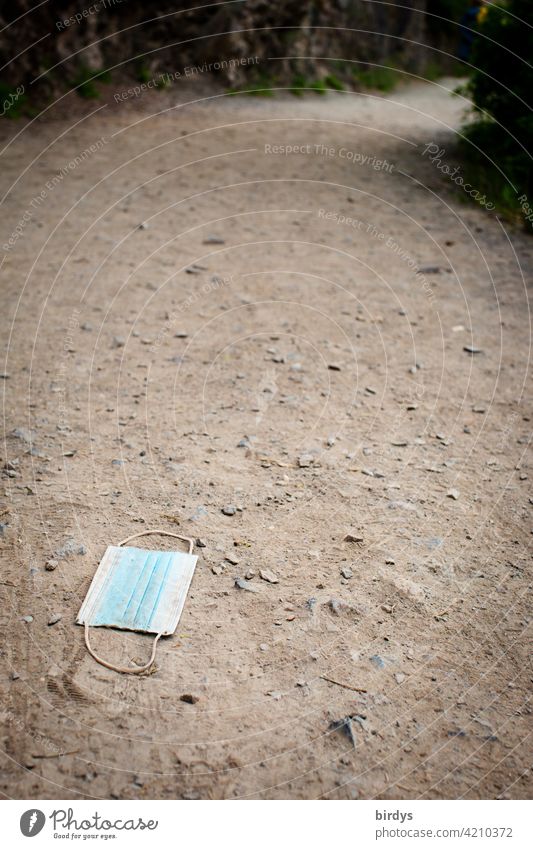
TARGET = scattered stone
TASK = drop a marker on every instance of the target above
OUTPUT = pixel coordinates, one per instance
(229, 510)
(231, 559)
(24, 434)
(330, 441)
(51, 564)
(118, 342)
(471, 349)
(344, 725)
(479, 408)
(245, 585)
(429, 269)
(370, 391)
(243, 443)
(70, 547)
(400, 677)
(201, 543)
(199, 513)
(15, 676)
(387, 608)
(217, 570)
(352, 538)
(249, 574)
(377, 661)
(263, 647)
(87, 326)
(195, 269)
(269, 576)
(189, 698)
(336, 605)
(389, 561)
(305, 460)
(181, 334)
(27, 619)
(213, 240)
(143, 226)
(346, 572)
(334, 367)
(54, 619)
(274, 694)
(412, 406)
(453, 493)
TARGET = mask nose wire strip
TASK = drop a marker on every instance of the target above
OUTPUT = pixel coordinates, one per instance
(135, 670)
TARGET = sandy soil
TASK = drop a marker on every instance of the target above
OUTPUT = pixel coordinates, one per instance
(246, 348)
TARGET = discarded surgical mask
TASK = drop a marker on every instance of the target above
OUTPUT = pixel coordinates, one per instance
(135, 589)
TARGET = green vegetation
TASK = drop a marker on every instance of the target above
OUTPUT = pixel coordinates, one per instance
(265, 86)
(13, 102)
(84, 81)
(377, 77)
(332, 81)
(142, 73)
(501, 88)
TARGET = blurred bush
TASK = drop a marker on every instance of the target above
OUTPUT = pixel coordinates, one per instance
(501, 88)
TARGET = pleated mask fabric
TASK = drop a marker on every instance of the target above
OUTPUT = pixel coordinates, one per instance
(138, 590)
(135, 589)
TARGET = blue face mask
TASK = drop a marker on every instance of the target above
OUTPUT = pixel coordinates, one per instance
(138, 590)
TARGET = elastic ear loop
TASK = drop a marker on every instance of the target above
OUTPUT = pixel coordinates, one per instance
(135, 670)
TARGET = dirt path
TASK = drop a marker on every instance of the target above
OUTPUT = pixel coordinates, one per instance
(306, 374)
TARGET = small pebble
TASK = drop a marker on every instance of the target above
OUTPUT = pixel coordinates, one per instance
(189, 698)
(54, 619)
(352, 538)
(231, 559)
(229, 510)
(453, 493)
(346, 572)
(269, 576)
(51, 564)
(245, 585)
